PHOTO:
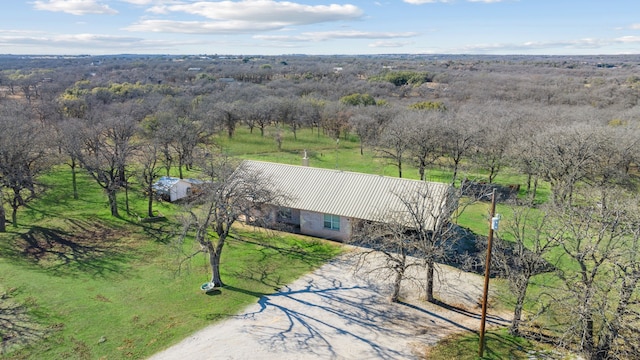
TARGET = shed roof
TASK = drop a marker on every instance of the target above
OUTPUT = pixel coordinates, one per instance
(350, 194)
(166, 182)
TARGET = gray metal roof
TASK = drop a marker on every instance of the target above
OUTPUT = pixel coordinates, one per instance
(350, 194)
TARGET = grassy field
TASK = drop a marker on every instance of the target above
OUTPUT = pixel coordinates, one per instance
(100, 287)
(76, 269)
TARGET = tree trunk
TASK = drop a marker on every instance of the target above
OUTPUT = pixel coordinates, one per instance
(3, 220)
(74, 181)
(399, 276)
(396, 286)
(15, 204)
(430, 279)
(455, 172)
(629, 285)
(514, 329)
(150, 205)
(214, 261)
(113, 202)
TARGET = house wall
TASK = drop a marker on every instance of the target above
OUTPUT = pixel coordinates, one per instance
(312, 223)
(179, 190)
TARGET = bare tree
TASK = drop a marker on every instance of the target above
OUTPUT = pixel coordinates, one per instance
(259, 114)
(458, 135)
(227, 114)
(109, 136)
(149, 159)
(565, 156)
(601, 275)
(394, 142)
(390, 239)
(23, 157)
(523, 157)
(231, 193)
(495, 137)
(423, 229)
(524, 257)
(615, 152)
(335, 119)
(366, 128)
(425, 141)
(71, 143)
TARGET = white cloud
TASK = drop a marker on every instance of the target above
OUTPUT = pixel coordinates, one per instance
(389, 44)
(487, 1)
(74, 40)
(628, 39)
(267, 11)
(199, 27)
(39, 43)
(333, 35)
(420, 2)
(75, 7)
(635, 26)
(495, 48)
(244, 16)
(139, 2)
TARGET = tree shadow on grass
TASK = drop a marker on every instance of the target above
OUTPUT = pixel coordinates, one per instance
(17, 326)
(308, 256)
(495, 345)
(159, 229)
(84, 248)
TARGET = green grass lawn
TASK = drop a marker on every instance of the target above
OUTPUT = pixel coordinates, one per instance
(499, 345)
(101, 287)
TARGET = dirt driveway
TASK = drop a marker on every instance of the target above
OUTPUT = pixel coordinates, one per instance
(334, 314)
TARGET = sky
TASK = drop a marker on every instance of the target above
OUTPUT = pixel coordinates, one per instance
(317, 27)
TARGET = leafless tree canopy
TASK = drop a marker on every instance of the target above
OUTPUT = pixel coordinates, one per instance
(231, 192)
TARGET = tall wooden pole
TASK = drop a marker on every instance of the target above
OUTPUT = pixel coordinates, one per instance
(487, 272)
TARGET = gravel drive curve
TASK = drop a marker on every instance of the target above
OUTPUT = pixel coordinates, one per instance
(333, 313)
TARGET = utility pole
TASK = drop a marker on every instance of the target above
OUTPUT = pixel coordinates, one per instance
(493, 225)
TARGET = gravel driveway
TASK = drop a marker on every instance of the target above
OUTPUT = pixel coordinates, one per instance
(334, 314)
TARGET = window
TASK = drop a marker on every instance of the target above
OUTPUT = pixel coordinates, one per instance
(331, 222)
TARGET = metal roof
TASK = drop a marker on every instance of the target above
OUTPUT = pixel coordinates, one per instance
(351, 194)
(166, 182)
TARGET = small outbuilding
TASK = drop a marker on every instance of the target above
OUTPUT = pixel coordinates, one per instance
(172, 188)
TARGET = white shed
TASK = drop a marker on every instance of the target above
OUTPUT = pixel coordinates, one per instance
(172, 188)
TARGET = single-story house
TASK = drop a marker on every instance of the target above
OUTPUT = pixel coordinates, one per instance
(173, 188)
(325, 203)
